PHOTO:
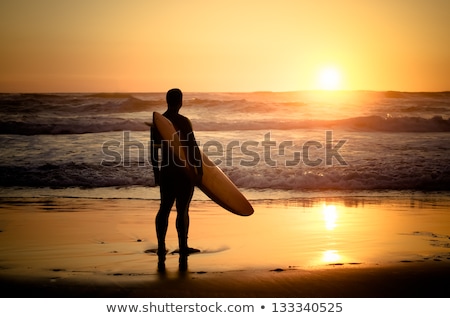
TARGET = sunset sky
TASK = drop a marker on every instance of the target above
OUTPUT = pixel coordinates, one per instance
(224, 45)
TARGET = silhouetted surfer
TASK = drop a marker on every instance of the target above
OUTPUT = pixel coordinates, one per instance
(174, 183)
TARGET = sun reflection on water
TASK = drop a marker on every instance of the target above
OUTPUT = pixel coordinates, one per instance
(330, 256)
(330, 216)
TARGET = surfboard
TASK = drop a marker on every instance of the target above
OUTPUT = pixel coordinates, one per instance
(215, 183)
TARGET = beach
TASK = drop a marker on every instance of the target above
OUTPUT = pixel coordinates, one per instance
(386, 244)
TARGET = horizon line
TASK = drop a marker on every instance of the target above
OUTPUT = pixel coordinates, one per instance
(228, 92)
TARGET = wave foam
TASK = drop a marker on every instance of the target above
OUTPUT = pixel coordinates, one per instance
(329, 178)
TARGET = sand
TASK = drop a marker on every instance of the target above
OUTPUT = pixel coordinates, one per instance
(323, 247)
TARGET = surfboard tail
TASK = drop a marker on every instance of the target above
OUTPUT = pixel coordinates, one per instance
(243, 208)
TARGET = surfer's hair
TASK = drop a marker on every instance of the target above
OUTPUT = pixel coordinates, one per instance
(174, 97)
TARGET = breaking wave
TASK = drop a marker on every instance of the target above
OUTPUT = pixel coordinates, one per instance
(381, 176)
(96, 124)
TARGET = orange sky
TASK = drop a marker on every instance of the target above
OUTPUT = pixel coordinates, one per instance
(223, 45)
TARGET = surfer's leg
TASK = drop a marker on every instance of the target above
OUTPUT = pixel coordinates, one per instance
(162, 217)
(184, 198)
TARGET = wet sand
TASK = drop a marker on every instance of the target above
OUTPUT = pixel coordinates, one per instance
(328, 247)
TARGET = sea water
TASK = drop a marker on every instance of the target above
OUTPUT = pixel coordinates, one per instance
(272, 145)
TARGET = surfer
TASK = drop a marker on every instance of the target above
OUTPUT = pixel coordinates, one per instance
(175, 184)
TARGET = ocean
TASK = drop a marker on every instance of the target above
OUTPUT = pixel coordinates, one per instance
(272, 145)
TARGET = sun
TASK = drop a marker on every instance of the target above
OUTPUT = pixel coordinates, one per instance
(329, 78)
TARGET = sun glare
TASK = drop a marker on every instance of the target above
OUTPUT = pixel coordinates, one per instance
(330, 216)
(329, 78)
(330, 256)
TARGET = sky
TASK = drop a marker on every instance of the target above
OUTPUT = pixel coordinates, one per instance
(224, 45)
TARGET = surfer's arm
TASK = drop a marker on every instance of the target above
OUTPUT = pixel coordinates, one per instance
(155, 145)
(154, 159)
(195, 157)
(199, 162)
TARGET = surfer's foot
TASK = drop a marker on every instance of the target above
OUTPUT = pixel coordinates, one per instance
(186, 251)
(190, 250)
(162, 251)
(156, 251)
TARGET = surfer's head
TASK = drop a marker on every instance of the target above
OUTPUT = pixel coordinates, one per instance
(174, 98)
